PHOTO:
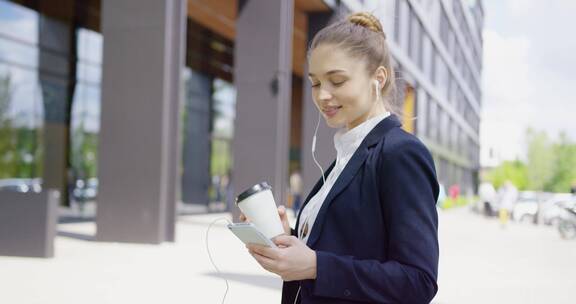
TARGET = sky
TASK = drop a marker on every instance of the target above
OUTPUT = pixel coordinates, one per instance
(528, 73)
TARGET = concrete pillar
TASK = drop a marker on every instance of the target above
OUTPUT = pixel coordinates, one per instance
(325, 152)
(140, 122)
(263, 78)
(57, 94)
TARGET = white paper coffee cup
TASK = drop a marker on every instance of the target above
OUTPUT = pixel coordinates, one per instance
(258, 205)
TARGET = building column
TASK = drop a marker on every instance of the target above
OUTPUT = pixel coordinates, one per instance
(57, 81)
(263, 78)
(325, 152)
(139, 145)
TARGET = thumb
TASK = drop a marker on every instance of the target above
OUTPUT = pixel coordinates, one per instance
(282, 211)
(285, 240)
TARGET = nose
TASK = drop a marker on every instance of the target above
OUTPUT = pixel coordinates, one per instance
(324, 94)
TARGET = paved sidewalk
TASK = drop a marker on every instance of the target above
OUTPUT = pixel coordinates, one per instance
(480, 263)
(90, 272)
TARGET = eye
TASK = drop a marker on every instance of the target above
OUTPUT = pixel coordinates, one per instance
(338, 83)
(315, 85)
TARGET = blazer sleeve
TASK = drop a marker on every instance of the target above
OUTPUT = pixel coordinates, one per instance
(408, 190)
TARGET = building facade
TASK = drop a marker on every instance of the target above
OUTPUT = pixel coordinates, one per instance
(156, 102)
(438, 47)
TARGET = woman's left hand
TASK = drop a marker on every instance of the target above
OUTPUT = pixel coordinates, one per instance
(292, 260)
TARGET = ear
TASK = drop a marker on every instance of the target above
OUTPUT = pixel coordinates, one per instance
(381, 75)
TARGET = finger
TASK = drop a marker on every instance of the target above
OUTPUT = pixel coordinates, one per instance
(282, 210)
(285, 240)
(263, 250)
(269, 252)
(266, 262)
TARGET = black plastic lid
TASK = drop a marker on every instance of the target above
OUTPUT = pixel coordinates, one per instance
(263, 186)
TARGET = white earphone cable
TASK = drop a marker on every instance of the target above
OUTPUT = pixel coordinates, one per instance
(210, 255)
(314, 147)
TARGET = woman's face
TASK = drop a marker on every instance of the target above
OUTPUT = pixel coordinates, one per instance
(341, 88)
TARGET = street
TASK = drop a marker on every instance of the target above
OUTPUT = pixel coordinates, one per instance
(480, 263)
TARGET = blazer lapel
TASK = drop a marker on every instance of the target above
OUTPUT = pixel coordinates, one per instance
(313, 192)
(357, 160)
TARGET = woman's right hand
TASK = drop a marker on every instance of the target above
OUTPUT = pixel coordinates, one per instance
(283, 218)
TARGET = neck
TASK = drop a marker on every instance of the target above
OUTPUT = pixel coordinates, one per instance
(376, 110)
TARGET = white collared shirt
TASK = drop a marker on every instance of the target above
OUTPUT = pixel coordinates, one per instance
(346, 143)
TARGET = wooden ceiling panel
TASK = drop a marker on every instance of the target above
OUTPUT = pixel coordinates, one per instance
(219, 16)
(311, 5)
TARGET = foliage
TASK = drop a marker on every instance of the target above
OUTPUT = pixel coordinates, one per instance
(514, 171)
(540, 165)
(550, 165)
(457, 202)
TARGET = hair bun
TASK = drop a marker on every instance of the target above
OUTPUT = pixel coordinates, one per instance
(366, 20)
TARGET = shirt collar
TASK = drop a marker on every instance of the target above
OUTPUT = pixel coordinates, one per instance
(347, 141)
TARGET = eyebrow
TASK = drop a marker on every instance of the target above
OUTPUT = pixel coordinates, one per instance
(329, 72)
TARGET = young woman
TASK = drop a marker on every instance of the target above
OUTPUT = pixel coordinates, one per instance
(368, 232)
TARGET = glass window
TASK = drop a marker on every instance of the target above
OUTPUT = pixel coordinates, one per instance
(433, 67)
(442, 131)
(85, 124)
(224, 112)
(89, 73)
(21, 124)
(13, 52)
(415, 40)
(441, 75)
(18, 22)
(397, 15)
(422, 110)
(433, 120)
(453, 90)
(54, 63)
(404, 29)
(426, 55)
(89, 46)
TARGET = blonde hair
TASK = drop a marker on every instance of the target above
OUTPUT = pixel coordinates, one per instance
(362, 36)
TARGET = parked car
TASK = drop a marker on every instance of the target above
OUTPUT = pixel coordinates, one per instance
(553, 209)
(567, 224)
(526, 207)
(85, 190)
(21, 185)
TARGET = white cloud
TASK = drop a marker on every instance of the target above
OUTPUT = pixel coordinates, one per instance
(528, 72)
(507, 89)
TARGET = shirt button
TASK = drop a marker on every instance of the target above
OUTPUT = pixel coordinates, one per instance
(347, 292)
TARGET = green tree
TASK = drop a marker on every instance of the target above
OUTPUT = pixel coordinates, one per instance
(540, 166)
(564, 168)
(514, 171)
(7, 151)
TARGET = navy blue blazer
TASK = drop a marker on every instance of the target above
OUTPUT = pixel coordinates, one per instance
(376, 235)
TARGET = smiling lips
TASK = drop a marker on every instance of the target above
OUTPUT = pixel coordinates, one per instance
(331, 111)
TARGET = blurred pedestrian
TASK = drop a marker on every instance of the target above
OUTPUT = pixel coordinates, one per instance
(508, 195)
(487, 195)
(454, 192)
